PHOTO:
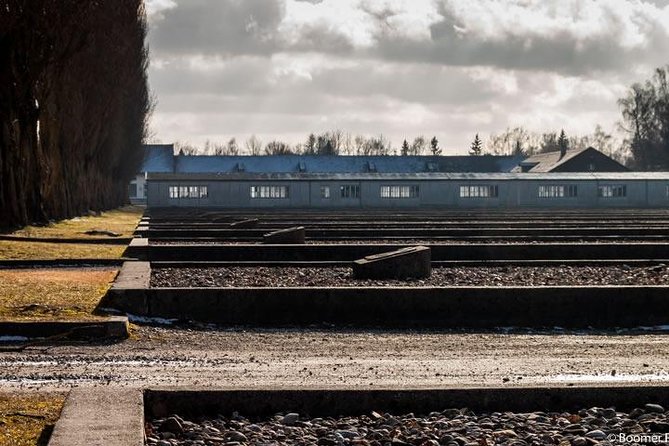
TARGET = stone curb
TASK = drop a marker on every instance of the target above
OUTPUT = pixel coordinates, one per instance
(113, 327)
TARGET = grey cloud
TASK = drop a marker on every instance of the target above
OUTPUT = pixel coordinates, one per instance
(235, 27)
(224, 28)
(561, 51)
(253, 76)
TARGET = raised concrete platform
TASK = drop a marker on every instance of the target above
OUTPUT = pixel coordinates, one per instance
(101, 417)
(396, 307)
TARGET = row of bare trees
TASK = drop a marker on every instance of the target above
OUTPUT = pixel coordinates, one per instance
(334, 142)
(73, 106)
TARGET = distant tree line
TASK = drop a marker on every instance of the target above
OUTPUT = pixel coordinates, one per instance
(73, 106)
(334, 142)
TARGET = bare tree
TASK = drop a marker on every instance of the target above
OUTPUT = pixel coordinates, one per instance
(277, 148)
(253, 145)
(418, 146)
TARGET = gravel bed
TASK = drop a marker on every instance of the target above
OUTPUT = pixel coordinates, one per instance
(451, 427)
(264, 276)
(504, 241)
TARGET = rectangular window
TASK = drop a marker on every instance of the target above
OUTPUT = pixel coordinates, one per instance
(350, 191)
(269, 191)
(479, 191)
(558, 191)
(612, 191)
(188, 191)
(325, 191)
(399, 191)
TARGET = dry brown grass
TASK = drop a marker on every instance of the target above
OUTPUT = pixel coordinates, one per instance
(122, 220)
(38, 250)
(55, 294)
(27, 419)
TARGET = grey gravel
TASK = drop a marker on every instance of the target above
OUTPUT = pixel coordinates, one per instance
(455, 427)
(262, 276)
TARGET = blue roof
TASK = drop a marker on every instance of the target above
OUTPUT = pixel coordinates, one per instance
(158, 158)
(342, 164)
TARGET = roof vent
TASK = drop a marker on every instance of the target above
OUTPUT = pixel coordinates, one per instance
(371, 166)
(302, 166)
(432, 167)
(240, 167)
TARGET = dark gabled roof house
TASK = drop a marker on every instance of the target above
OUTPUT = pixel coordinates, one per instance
(574, 160)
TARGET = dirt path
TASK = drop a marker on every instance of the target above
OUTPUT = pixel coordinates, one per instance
(262, 358)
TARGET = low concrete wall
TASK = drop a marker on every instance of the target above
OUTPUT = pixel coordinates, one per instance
(546, 251)
(380, 232)
(442, 307)
(329, 402)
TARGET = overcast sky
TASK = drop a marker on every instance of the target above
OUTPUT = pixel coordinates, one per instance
(451, 68)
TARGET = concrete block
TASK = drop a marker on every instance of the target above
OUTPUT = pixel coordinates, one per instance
(405, 263)
(245, 224)
(101, 417)
(289, 236)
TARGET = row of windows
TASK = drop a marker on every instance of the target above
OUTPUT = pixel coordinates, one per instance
(557, 191)
(189, 191)
(269, 191)
(479, 191)
(353, 191)
(609, 191)
(400, 191)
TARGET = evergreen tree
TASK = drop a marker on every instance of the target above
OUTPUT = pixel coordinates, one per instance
(434, 146)
(405, 148)
(476, 147)
(563, 142)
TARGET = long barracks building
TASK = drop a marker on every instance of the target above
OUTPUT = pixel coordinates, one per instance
(294, 181)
